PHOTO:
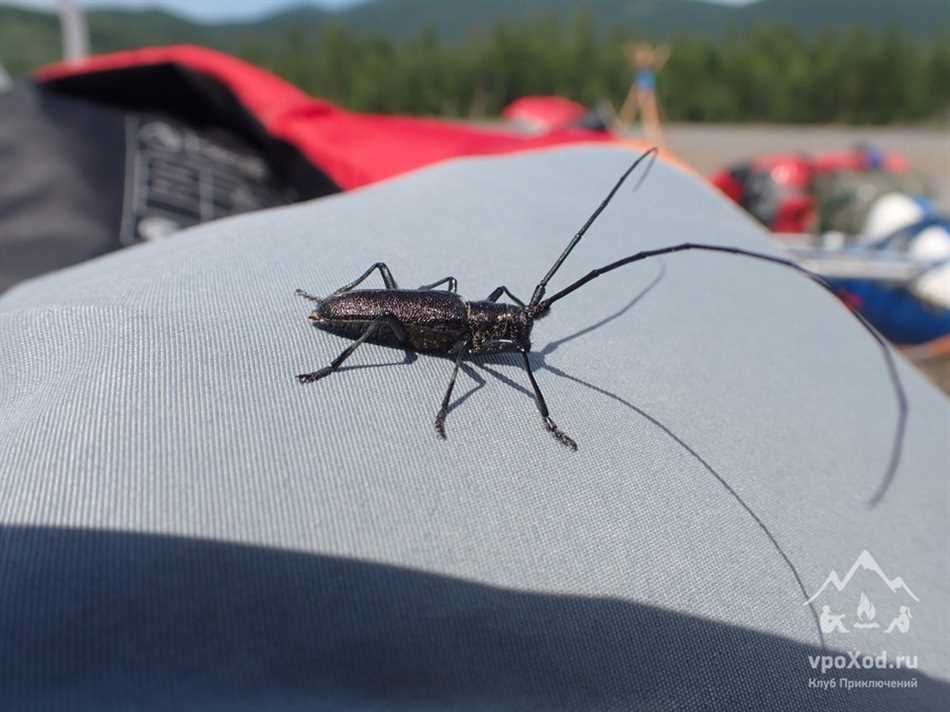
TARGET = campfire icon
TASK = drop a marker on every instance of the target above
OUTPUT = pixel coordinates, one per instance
(866, 613)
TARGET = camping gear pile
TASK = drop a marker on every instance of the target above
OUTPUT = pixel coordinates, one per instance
(864, 221)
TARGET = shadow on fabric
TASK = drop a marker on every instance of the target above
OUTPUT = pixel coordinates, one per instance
(108, 620)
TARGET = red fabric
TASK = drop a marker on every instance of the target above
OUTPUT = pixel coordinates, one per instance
(786, 169)
(727, 183)
(353, 149)
(545, 113)
(795, 214)
(793, 175)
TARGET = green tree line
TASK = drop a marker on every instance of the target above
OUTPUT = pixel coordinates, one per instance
(772, 74)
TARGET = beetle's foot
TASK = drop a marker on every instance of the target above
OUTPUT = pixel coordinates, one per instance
(440, 423)
(315, 376)
(558, 435)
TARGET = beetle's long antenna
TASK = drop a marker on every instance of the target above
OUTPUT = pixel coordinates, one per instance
(543, 306)
(539, 290)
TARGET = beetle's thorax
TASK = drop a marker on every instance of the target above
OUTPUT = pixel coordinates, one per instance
(498, 327)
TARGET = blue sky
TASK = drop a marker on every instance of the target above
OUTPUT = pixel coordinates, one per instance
(213, 9)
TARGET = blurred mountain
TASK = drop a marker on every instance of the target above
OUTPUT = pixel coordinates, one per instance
(455, 19)
(920, 18)
(29, 38)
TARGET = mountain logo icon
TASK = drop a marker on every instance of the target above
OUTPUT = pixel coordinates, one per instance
(864, 562)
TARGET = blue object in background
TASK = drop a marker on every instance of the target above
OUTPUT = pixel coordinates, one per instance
(895, 311)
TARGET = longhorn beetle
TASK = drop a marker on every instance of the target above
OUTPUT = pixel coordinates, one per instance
(438, 321)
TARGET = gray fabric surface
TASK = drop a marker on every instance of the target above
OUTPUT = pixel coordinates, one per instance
(184, 525)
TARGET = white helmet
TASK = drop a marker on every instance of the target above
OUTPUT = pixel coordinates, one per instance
(890, 213)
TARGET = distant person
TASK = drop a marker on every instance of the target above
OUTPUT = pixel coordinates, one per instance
(646, 61)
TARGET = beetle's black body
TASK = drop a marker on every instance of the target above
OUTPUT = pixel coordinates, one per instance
(429, 320)
(438, 321)
(433, 321)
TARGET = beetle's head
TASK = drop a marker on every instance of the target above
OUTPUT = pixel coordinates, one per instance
(496, 326)
(533, 312)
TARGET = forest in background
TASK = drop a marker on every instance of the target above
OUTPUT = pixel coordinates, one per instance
(771, 74)
(765, 72)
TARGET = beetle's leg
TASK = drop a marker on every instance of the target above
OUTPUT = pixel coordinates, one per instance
(543, 408)
(462, 347)
(453, 284)
(383, 271)
(386, 320)
(496, 295)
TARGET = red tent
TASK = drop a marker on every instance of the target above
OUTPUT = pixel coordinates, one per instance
(544, 113)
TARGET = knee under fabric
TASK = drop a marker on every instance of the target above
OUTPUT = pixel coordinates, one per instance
(184, 524)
